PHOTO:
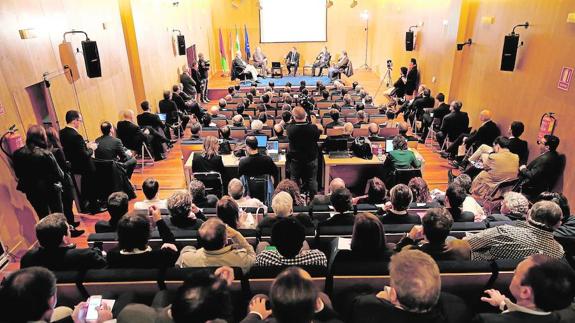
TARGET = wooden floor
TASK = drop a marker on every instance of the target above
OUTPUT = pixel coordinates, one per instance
(170, 172)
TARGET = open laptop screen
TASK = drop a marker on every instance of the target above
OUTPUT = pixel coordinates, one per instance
(162, 116)
(273, 147)
(388, 145)
(262, 141)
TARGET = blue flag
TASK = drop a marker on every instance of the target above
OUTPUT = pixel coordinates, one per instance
(247, 43)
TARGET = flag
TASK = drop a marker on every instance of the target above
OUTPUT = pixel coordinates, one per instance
(223, 53)
(232, 52)
(237, 41)
(247, 43)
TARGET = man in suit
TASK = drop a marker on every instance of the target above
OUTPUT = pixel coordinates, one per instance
(188, 83)
(454, 124)
(178, 99)
(152, 121)
(339, 67)
(260, 61)
(79, 154)
(412, 78)
(292, 61)
(541, 173)
(484, 135)
(518, 146)
(540, 285)
(239, 66)
(402, 302)
(133, 137)
(170, 109)
(435, 117)
(418, 106)
(111, 148)
(322, 61)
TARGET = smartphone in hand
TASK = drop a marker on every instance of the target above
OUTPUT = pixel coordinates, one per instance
(94, 303)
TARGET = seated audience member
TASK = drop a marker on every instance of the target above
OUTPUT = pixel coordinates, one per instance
(229, 212)
(150, 187)
(237, 192)
(484, 135)
(30, 295)
(133, 137)
(279, 133)
(209, 160)
(341, 202)
(241, 109)
(414, 295)
(282, 206)
(403, 128)
(255, 163)
(514, 207)
(348, 130)
(395, 211)
(541, 173)
(213, 235)
(56, 252)
(256, 128)
(197, 190)
(375, 192)
(133, 250)
(195, 130)
(567, 227)
(117, 207)
(111, 148)
(287, 242)
(469, 204)
(400, 157)
(286, 117)
(291, 187)
(202, 297)
(420, 191)
(499, 166)
(454, 124)
(334, 115)
(238, 121)
(540, 285)
(150, 120)
(362, 119)
(522, 238)
(173, 114)
(432, 237)
(347, 102)
(196, 111)
(368, 239)
(293, 298)
(335, 184)
(225, 147)
(183, 213)
(215, 110)
(438, 113)
(373, 130)
(207, 121)
(454, 197)
(517, 145)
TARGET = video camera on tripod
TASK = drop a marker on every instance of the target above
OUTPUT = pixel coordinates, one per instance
(389, 64)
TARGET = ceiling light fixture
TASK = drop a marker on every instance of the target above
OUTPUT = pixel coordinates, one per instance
(329, 3)
(353, 4)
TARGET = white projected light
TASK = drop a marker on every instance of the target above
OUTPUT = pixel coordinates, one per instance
(285, 21)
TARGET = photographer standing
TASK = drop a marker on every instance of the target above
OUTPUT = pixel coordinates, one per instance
(203, 68)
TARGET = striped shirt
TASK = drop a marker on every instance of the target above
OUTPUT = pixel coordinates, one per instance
(513, 241)
(305, 257)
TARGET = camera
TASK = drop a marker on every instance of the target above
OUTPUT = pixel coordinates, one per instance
(207, 63)
(389, 64)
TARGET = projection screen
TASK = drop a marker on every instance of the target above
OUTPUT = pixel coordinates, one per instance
(293, 21)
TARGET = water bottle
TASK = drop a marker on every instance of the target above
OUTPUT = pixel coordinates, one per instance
(379, 151)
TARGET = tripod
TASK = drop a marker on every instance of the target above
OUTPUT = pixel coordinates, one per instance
(386, 78)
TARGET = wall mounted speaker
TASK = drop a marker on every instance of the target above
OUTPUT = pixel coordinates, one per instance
(91, 58)
(181, 45)
(409, 41)
(509, 52)
(67, 58)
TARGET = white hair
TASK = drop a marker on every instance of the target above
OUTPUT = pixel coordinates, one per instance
(257, 125)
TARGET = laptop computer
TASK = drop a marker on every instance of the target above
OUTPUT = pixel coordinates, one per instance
(262, 143)
(388, 144)
(337, 148)
(273, 149)
(162, 116)
(276, 65)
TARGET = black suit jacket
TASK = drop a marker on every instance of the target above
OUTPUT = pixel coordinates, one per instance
(180, 103)
(148, 119)
(63, 258)
(296, 58)
(170, 108)
(520, 148)
(110, 148)
(76, 151)
(440, 112)
(542, 172)
(424, 103)
(485, 135)
(454, 124)
(411, 83)
(188, 83)
(130, 134)
(203, 164)
(512, 317)
(37, 170)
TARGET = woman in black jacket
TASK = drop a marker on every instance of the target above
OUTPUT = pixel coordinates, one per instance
(39, 175)
(209, 160)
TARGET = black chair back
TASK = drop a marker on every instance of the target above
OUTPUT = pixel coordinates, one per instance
(403, 176)
(212, 181)
(258, 187)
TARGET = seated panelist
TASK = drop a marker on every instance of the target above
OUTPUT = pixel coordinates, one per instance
(322, 61)
(340, 66)
(292, 60)
(261, 61)
(239, 66)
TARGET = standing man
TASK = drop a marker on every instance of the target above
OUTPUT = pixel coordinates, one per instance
(303, 137)
(292, 60)
(412, 78)
(203, 68)
(261, 61)
(198, 80)
(322, 61)
(79, 154)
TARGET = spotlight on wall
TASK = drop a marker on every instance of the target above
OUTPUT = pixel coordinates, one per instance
(468, 42)
(329, 3)
(27, 33)
(353, 4)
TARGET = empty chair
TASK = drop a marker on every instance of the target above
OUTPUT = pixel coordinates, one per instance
(212, 181)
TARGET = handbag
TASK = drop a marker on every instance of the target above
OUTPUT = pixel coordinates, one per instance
(361, 148)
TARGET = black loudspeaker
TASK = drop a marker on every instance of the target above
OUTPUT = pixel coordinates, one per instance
(181, 45)
(509, 52)
(409, 41)
(91, 58)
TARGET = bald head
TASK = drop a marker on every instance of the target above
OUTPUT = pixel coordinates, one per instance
(214, 110)
(212, 234)
(373, 129)
(348, 128)
(236, 189)
(128, 115)
(336, 183)
(485, 115)
(278, 129)
(299, 114)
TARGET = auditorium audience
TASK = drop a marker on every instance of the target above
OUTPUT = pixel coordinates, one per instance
(340, 200)
(170, 109)
(152, 121)
(432, 237)
(133, 137)
(368, 239)
(230, 213)
(334, 115)
(420, 191)
(291, 187)
(282, 206)
(540, 286)
(256, 163)
(454, 124)
(209, 160)
(522, 238)
(117, 207)
(469, 204)
(56, 252)
(395, 211)
(414, 295)
(133, 250)
(150, 187)
(400, 157)
(335, 184)
(455, 195)
(237, 192)
(287, 246)
(213, 236)
(373, 130)
(375, 192)
(183, 213)
(542, 173)
(514, 207)
(111, 148)
(197, 190)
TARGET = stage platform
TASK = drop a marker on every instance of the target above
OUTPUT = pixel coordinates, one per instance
(293, 80)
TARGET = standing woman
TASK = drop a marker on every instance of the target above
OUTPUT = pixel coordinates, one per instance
(39, 175)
